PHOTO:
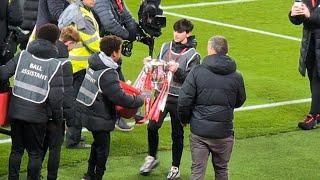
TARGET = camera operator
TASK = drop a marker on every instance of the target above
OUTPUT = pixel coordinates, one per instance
(10, 15)
(114, 18)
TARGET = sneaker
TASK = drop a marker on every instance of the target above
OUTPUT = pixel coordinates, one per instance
(81, 145)
(122, 125)
(174, 173)
(149, 164)
(308, 123)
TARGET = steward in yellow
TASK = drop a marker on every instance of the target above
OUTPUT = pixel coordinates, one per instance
(79, 15)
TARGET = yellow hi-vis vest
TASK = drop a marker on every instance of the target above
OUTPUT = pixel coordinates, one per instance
(88, 45)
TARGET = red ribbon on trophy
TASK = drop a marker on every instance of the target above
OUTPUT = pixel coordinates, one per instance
(149, 77)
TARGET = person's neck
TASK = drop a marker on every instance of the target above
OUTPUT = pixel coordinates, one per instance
(85, 6)
(185, 41)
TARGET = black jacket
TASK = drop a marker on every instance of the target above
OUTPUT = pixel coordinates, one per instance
(101, 116)
(111, 21)
(209, 95)
(49, 11)
(68, 94)
(26, 110)
(311, 29)
(10, 14)
(30, 11)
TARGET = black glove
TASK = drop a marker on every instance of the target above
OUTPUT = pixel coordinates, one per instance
(127, 48)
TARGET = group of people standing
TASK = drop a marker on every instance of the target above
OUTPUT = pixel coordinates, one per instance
(69, 75)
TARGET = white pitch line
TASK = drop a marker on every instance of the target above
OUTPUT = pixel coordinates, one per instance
(283, 103)
(247, 108)
(204, 4)
(233, 26)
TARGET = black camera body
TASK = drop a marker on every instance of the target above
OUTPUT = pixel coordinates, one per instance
(151, 21)
(151, 17)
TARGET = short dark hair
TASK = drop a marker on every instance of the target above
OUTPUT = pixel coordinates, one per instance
(183, 25)
(48, 32)
(219, 44)
(110, 44)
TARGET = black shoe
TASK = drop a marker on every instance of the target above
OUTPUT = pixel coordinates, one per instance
(308, 123)
(82, 139)
(138, 118)
(81, 145)
(122, 125)
(87, 177)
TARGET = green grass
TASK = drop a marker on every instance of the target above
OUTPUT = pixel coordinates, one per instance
(283, 156)
(268, 144)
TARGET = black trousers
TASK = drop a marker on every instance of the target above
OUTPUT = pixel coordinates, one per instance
(73, 134)
(29, 136)
(176, 133)
(99, 154)
(313, 76)
(53, 141)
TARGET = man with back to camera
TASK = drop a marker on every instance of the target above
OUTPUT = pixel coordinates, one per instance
(307, 13)
(207, 100)
(79, 16)
(36, 97)
(114, 18)
(56, 129)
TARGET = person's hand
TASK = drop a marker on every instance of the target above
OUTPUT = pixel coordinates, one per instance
(305, 11)
(297, 10)
(173, 66)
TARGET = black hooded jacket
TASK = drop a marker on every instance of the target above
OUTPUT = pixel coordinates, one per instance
(209, 95)
(311, 34)
(30, 11)
(29, 111)
(68, 94)
(101, 115)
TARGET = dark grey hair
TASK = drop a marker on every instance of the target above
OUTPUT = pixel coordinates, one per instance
(219, 44)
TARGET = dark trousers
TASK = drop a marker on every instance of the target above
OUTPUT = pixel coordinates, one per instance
(99, 154)
(176, 133)
(202, 147)
(73, 135)
(313, 76)
(53, 141)
(29, 136)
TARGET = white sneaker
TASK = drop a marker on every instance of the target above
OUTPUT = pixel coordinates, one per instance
(174, 173)
(149, 164)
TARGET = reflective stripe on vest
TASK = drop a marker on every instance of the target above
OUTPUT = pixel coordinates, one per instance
(183, 59)
(90, 87)
(80, 54)
(63, 60)
(33, 76)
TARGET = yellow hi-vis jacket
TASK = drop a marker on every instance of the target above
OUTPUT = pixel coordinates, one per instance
(79, 17)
